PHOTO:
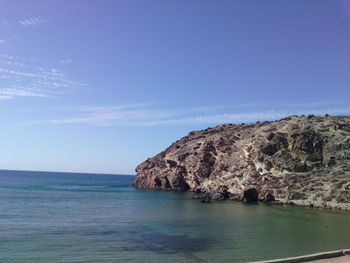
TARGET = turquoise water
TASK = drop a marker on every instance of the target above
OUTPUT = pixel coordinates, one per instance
(62, 217)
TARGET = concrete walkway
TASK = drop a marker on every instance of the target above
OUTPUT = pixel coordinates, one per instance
(344, 259)
(338, 256)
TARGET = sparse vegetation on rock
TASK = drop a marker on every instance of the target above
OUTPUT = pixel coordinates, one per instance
(304, 160)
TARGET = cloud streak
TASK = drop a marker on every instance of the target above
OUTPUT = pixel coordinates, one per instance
(30, 77)
(32, 21)
(145, 115)
(239, 117)
(9, 93)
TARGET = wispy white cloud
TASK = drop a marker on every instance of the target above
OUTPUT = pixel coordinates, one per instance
(30, 77)
(2, 97)
(224, 107)
(115, 115)
(2, 41)
(20, 92)
(238, 117)
(32, 21)
(146, 115)
(66, 61)
(21, 73)
(317, 104)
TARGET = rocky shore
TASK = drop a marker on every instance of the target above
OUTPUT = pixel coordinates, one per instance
(298, 160)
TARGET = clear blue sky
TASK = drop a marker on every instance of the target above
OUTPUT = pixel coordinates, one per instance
(99, 86)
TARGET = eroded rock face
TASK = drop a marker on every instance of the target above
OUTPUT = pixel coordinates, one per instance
(296, 158)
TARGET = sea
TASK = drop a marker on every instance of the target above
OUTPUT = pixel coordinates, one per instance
(71, 217)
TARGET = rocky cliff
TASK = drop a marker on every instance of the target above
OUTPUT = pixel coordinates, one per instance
(304, 160)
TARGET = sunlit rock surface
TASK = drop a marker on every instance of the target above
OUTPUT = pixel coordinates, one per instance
(303, 160)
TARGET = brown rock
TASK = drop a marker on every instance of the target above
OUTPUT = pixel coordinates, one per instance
(303, 158)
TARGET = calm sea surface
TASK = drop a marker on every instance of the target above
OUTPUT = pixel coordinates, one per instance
(63, 217)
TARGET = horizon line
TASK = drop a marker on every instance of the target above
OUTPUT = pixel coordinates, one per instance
(13, 170)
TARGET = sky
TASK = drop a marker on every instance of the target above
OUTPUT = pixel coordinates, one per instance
(100, 86)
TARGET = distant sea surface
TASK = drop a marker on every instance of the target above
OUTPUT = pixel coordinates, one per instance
(67, 217)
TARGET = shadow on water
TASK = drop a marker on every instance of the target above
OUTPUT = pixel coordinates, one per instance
(181, 245)
(147, 239)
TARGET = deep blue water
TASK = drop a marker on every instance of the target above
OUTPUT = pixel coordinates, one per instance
(67, 217)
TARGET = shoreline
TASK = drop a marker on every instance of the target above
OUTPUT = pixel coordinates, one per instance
(317, 257)
(62, 172)
(314, 204)
(299, 203)
(207, 197)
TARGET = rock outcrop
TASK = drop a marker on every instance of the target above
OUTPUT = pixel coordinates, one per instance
(304, 160)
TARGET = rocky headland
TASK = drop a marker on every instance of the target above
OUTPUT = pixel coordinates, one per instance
(301, 160)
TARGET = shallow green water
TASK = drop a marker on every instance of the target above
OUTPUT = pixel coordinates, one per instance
(61, 217)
